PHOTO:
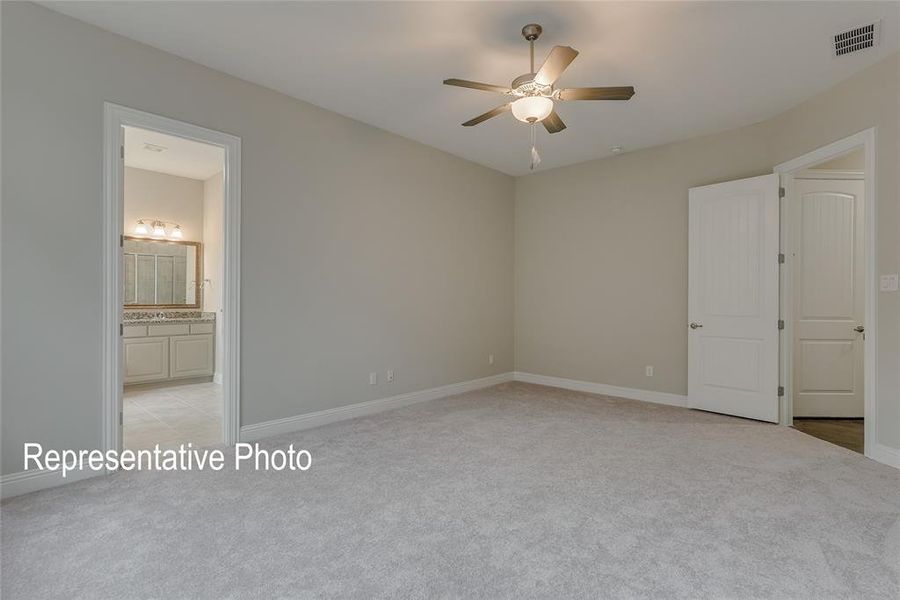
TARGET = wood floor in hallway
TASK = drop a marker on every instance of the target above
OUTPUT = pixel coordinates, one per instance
(847, 433)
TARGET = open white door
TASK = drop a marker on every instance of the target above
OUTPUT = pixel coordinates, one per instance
(733, 298)
(829, 295)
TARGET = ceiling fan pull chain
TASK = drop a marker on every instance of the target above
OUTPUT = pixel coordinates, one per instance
(535, 157)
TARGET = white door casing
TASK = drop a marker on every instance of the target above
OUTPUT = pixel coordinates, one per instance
(829, 300)
(733, 298)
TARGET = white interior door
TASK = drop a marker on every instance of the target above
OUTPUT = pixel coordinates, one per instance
(829, 303)
(733, 298)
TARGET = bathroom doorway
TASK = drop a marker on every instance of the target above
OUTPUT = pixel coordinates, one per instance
(829, 287)
(171, 212)
(172, 288)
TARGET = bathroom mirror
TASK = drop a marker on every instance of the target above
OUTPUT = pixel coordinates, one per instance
(161, 273)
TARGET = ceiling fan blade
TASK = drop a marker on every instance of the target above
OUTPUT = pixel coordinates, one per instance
(489, 114)
(557, 61)
(553, 123)
(475, 85)
(597, 93)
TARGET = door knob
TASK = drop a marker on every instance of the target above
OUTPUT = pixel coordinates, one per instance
(859, 329)
(696, 325)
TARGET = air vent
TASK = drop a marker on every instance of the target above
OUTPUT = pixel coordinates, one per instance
(856, 39)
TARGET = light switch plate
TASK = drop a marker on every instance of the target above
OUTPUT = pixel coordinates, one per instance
(889, 283)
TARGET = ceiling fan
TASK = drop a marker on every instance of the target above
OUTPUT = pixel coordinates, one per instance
(531, 96)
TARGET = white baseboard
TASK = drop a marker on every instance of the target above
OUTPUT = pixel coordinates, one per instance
(886, 455)
(604, 389)
(217, 378)
(258, 431)
(23, 482)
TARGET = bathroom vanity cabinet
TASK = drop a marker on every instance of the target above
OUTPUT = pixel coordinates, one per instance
(164, 351)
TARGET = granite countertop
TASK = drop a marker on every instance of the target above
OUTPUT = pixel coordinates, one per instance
(149, 317)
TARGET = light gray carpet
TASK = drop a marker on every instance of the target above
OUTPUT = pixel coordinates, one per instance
(517, 491)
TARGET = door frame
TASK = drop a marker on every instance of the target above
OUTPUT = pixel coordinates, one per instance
(787, 171)
(115, 117)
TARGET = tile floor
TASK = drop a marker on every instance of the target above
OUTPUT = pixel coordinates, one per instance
(172, 415)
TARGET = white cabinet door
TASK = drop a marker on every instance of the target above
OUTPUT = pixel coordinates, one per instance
(829, 266)
(191, 355)
(146, 359)
(733, 298)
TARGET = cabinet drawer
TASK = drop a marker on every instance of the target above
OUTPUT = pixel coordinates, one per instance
(202, 328)
(131, 331)
(183, 329)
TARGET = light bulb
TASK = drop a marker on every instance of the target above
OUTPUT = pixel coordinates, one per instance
(141, 228)
(159, 228)
(177, 233)
(532, 109)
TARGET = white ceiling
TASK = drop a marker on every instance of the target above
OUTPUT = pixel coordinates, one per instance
(697, 67)
(181, 157)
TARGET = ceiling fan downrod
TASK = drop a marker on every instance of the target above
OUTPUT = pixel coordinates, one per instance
(531, 32)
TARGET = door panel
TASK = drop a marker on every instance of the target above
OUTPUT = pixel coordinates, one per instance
(829, 303)
(721, 354)
(733, 298)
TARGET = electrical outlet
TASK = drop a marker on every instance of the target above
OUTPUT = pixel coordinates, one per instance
(390, 376)
(373, 378)
(649, 370)
(490, 359)
(888, 283)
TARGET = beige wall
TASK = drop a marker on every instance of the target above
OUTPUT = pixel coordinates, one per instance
(213, 252)
(601, 260)
(361, 251)
(852, 161)
(151, 195)
(601, 247)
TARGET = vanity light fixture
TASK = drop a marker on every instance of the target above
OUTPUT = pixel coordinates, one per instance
(141, 228)
(159, 228)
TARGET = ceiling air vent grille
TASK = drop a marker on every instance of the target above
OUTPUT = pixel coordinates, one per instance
(856, 39)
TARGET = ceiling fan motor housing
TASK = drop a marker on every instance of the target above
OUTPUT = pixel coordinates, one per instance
(524, 85)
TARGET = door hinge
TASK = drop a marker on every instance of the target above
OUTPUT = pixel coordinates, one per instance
(121, 418)
(780, 390)
(121, 329)
(122, 151)
(121, 241)
(780, 192)
(780, 323)
(781, 258)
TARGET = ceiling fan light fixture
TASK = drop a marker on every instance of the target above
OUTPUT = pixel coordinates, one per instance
(532, 109)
